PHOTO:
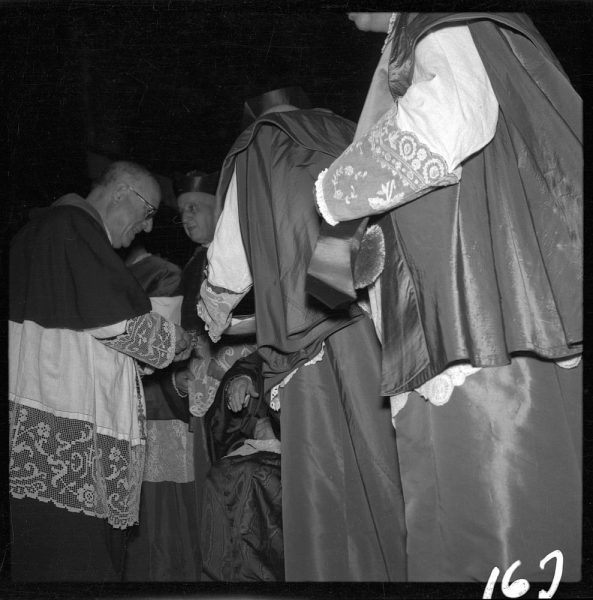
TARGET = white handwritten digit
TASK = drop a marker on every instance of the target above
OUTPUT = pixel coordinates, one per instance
(557, 554)
(491, 583)
(517, 588)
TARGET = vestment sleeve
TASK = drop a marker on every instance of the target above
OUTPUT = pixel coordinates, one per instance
(229, 277)
(448, 113)
(149, 338)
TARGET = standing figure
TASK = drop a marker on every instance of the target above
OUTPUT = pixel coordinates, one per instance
(342, 508)
(468, 164)
(79, 322)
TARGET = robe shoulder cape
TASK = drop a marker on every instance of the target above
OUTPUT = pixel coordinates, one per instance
(277, 161)
(65, 274)
(491, 267)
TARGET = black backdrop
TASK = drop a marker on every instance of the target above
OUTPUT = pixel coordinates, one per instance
(163, 82)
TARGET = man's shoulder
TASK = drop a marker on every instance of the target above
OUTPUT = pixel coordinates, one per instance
(312, 118)
(64, 218)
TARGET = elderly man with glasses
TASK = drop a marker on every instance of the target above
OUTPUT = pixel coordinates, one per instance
(79, 325)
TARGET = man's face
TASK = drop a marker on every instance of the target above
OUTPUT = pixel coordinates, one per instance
(133, 212)
(198, 217)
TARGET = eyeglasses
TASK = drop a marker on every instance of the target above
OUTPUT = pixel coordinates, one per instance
(150, 209)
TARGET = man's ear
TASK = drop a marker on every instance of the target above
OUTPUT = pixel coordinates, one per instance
(118, 194)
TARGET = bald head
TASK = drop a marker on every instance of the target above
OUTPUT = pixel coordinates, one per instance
(126, 196)
(128, 173)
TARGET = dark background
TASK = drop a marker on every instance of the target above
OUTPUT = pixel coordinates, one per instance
(163, 83)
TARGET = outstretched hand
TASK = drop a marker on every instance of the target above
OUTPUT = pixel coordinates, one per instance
(239, 391)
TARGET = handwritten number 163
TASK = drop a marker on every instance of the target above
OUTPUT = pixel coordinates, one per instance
(519, 587)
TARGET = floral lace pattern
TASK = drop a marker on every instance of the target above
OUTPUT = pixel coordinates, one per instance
(382, 169)
(169, 452)
(437, 390)
(208, 373)
(215, 308)
(149, 338)
(66, 462)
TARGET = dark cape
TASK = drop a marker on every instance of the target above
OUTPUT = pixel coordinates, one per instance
(67, 238)
(334, 403)
(499, 254)
(281, 228)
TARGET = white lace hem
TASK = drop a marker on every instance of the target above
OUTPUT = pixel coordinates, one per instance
(437, 390)
(68, 463)
(321, 203)
(275, 392)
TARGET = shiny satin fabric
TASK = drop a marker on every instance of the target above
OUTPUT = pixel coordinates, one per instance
(241, 531)
(490, 265)
(277, 161)
(494, 475)
(342, 499)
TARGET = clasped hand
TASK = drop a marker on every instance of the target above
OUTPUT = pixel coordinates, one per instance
(183, 344)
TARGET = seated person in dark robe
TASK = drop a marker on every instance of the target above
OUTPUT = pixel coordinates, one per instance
(241, 530)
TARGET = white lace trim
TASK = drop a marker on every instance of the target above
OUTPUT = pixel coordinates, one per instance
(169, 452)
(150, 338)
(275, 392)
(569, 363)
(321, 203)
(437, 390)
(68, 463)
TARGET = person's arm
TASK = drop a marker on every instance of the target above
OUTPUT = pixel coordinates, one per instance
(229, 277)
(149, 338)
(448, 113)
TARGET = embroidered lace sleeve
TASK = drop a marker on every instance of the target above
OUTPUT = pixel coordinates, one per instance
(215, 308)
(150, 338)
(448, 113)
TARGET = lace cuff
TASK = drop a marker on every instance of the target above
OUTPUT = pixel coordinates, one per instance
(437, 390)
(382, 169)
(275, 391)
(177, 390)
(215, 308)
(149, 338)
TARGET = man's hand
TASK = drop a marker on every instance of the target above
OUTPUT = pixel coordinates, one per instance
(238, 392)
(183, 346)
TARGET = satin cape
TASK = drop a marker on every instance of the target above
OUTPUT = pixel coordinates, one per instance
(279, 227)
